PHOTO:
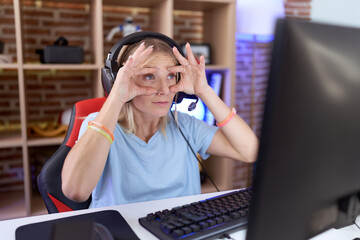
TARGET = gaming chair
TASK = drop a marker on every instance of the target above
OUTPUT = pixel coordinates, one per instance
(49, 179)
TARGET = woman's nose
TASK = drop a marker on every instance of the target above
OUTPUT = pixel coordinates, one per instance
(163, 88)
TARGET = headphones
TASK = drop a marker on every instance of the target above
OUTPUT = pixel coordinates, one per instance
(111, 68)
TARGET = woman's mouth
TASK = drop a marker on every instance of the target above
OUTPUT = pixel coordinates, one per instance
(161, 103)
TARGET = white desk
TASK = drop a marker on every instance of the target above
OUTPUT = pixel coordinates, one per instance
(132, 212)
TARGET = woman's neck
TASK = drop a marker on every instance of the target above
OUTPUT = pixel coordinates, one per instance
(146, 129)
(146, 125)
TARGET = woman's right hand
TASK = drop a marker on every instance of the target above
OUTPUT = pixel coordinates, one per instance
(124, 85)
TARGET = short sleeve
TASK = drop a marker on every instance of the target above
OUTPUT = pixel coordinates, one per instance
(198, 133)
(84, 124)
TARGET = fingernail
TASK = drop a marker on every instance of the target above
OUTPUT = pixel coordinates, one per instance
(142, 44)
(151, 46)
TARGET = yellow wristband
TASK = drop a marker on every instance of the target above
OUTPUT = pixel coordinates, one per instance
(100, 131)
(102, 127)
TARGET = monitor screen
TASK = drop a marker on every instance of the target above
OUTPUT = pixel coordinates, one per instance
(201, 112)
(307, 177)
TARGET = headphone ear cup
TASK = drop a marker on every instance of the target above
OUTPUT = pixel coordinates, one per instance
(107, 80)
(179, 98)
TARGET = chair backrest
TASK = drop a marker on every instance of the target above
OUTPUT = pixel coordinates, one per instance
(49, 179)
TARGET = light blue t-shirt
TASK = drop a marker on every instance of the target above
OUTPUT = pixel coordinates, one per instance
(164, 167)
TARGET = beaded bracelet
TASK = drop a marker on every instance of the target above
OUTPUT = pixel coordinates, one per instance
(102, 127)
(227, 119)
(105, 134)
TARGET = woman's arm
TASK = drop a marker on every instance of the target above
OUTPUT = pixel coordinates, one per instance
(235, 139)
(85, 162)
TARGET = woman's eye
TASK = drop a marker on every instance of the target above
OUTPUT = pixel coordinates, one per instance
(171, 76)
(149, 77)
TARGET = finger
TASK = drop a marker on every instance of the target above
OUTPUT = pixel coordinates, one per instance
(202, 63)
(146, 90)
(142, 71)
(175, 88)
(140, 58)
(139, 50)
(127, 66)
(176, 69)
(190, 54)
(180, 57)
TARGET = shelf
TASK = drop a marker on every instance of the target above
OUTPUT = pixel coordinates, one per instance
(8, 66)
(12, 205)
(133, 3)
(208, 187)
(217, 67)
(10, 139)
(37, 142)
(37, 205)
(200, 5)
(61, 66)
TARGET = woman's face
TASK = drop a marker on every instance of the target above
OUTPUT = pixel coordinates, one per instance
(156, 105)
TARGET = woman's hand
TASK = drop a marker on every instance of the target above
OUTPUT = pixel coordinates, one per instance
(124, 85)
(192, 74)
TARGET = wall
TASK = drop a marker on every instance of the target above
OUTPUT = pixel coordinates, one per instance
(345, 12)
(50, 92)
(250, 94)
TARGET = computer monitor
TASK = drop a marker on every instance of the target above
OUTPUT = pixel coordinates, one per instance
(215, 79)
(307, 177)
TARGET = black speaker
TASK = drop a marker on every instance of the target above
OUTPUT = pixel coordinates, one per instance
(63, 54)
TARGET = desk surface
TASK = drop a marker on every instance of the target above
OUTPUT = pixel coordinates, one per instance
(132, 212)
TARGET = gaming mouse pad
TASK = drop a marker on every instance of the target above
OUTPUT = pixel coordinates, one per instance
(110, 219)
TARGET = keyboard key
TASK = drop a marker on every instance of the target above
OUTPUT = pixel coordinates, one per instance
(150, 217)
(211, 222)
(178, 233)
(219, 220)
(203, 225)
(186, 230)
(194, 227)
(235, 215)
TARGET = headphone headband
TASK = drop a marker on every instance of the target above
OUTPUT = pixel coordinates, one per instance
(137, 37)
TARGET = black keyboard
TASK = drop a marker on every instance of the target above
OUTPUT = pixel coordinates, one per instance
(205, 219)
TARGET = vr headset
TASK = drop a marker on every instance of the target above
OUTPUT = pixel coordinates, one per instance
(111, 68)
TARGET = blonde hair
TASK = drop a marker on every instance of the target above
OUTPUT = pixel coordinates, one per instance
(126, 118)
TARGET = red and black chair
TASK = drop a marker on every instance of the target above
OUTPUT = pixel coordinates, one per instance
(49, 179)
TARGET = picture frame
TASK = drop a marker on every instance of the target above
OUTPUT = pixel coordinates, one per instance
(199, 49)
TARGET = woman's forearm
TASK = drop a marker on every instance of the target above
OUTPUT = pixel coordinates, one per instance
(85, 162)
(238, 134)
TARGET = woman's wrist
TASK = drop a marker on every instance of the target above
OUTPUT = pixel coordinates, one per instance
(205, 92)
(117, 98)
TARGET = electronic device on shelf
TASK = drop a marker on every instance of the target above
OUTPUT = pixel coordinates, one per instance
(209, 218)
(307, 175)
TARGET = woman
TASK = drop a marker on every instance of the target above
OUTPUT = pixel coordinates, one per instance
(132, 150)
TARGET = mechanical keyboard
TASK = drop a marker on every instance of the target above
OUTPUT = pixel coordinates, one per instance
(205, 219)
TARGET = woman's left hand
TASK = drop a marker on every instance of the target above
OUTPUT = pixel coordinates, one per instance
(192, 74)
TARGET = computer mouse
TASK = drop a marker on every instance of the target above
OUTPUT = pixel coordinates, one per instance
(101, 232)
